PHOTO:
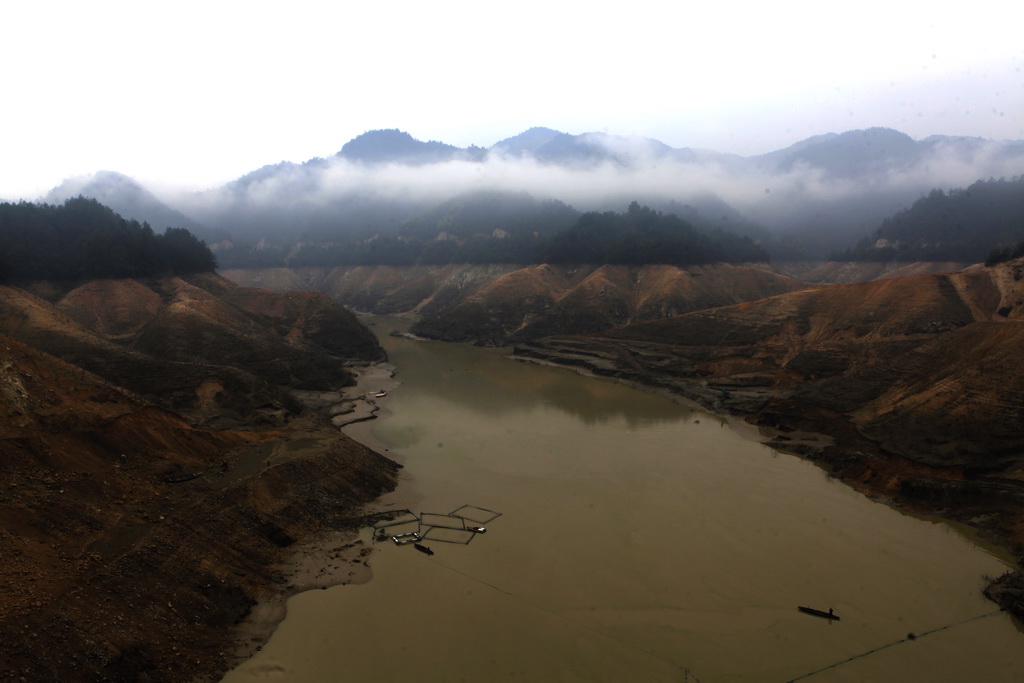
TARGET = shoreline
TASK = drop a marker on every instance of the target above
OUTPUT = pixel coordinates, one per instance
(343, 557)
(872, 475)
(363, 429)
(334, 557)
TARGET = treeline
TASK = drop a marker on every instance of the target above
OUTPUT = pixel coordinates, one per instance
(1005, 254)
(380, 250)
(638, 236)
(641, 236)
(82, 238)
(959, 225)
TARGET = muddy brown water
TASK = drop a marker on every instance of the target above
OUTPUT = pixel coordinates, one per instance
(639, 540)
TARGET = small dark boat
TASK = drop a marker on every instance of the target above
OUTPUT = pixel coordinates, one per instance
(476, 529)
(423, 549)
(818, 613)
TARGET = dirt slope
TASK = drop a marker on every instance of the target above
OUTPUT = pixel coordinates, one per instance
(380, 289)
(497, 304)
(868, 350)
(543, 300)
(133, 542)
(849, 272)
(203, 346)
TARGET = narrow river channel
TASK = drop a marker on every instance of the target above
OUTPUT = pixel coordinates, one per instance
(639, 540)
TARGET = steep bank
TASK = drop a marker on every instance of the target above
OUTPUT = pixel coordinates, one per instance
(160, 470)
(499, 304)
(851, 272)
(204, 347)
(134, 544)
(383, 290)
(916, 382)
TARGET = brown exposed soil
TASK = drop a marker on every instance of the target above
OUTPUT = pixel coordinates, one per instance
(499, 304)
(849, 272)
(539, 301)
(135, 544)
(204, 347)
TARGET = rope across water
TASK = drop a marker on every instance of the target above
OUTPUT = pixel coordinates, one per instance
(910, 637)
(687, 674)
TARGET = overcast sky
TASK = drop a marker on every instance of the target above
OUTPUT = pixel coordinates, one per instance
(193, 94)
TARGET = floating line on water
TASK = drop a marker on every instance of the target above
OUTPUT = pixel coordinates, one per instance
(688, 675)
(910, 637)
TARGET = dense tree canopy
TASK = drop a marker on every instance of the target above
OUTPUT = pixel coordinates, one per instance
(959, 225)
(82, 238)
(1005, 254)
(544, 233)
(502, 232)
(641, 236)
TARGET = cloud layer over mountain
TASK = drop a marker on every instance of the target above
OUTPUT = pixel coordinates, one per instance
(832, 185)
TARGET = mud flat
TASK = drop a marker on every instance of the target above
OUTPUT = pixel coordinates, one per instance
(355, 403)
(326, 558)
(335, 558)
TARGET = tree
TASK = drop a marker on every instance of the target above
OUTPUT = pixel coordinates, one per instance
(642, 236)
(85, 239)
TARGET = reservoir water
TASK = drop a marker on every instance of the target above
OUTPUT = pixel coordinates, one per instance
(639, 540)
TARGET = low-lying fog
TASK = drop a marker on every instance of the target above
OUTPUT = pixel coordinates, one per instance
(829, 190)
(780, 190)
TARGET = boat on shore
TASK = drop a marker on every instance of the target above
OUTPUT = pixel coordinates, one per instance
(819, 613)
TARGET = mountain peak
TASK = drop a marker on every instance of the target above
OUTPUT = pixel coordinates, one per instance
(853, 153)
(124, 195)
(391, 145)
(527, 142)
(99, 183)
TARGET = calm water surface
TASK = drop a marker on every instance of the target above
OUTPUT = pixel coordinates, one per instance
(639, 540)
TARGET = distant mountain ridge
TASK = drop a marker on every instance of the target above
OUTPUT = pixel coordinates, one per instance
(545, 145)
(849, 154)
(527, 142)
(396, 146)
(126, 196)
(816, 196)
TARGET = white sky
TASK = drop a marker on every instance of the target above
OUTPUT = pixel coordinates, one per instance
(196, 93)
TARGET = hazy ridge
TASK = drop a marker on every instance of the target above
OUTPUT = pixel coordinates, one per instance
(804, 201)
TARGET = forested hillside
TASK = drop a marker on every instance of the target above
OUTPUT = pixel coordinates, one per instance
(504, 228)
(959, 225)
(643, 236)
(82, 238)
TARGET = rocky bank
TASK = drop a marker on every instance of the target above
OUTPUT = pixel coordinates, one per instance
(143, 520)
